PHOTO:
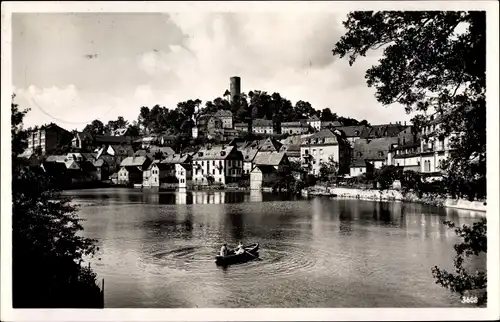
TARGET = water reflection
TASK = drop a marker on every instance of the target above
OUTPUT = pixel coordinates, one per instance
(158, 249)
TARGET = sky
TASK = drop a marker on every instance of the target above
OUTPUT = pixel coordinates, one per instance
(72, 68)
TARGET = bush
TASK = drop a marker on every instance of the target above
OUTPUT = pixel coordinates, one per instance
(47, 249)
(474, 243)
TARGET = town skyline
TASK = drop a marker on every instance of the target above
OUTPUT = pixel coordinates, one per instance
(69, 73)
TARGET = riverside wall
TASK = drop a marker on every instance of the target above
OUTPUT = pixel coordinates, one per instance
(396, 195)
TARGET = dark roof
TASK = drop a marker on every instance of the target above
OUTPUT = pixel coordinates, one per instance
(84, 135)
(89, 156)
(249, 154)
(269, 158)
(358, 163)
(313, 118)
(216, 152)
(109, 139)
(352, 131)
(330, 123)
(265, 168)
(301, 123)
(56, 158)
(262, 122)
(223, 113)
(269, 144)
(240, 124)
(383, 130)
(134, 161)
(176, 158)
(100, 163)
(373, 149)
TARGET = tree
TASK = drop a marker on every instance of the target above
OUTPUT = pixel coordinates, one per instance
(386, 175)
(18, 135)
(329, 169)
(134, 129)
(328, 116)
(119, 123)
(46, 232)
(463, 282)
(95, 128)
(431, 59)
(304, 109)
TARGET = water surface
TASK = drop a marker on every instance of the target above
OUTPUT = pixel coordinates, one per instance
(157, 250)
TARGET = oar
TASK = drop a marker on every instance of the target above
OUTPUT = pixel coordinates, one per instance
(252, 255)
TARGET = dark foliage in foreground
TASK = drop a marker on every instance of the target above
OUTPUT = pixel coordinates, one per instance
(48, 251)
(463, 282)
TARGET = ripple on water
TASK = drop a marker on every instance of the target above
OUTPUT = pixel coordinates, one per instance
(275, 260)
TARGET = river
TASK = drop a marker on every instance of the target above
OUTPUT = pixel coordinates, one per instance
(157, 250)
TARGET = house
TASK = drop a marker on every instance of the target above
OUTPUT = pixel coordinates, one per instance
(278, 160)
(175, 170)
(269, 166)
(147, 141)
(323, 146)
(102, 169)
(120, 132)
(158, 174)
(82, 140)
(383, 130)
(100, 140)
(373, 151)
(353, 133)
(226, 117)
(241, 127)
(325, 124)
(114, 154)
(249, 154)
(434, 146)
(131, 169)
(262, 126)
(250, 149)
(297, 127)
(217, 164)
(114, 178)
(263, 176)
(47, 138)
(183, 168)
(89, 156)
(129, 175)
(406, 156)
(207, 125)
(314, 122)
(291, 146)
(359, 167)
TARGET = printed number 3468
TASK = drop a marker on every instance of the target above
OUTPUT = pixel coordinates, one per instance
(469, 299)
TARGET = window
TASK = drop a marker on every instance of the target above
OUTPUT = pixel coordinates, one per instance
(220, 179)
(213, 171)
(306, 151)
(213, 162)
(320, 151)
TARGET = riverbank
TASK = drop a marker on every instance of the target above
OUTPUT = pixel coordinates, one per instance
(396, 195)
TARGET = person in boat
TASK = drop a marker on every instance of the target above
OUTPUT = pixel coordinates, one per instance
(223, 250)
(239, 249)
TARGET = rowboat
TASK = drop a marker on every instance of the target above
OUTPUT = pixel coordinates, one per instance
(251, 252)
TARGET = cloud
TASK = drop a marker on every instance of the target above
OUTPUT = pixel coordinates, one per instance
(72, 109)
(289, 53)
